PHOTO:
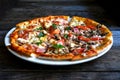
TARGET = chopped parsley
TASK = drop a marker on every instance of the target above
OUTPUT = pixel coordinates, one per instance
(66, 36)
(58, 46)
(38, 43)
(41, 34)
(68, 28)
(54, 26)
(40, 28)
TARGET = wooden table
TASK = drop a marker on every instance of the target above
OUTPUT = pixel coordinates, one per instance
(106, 67)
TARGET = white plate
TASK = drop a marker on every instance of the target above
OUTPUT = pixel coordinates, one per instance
(52, 62)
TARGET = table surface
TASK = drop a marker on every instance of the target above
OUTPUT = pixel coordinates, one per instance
(106, 67)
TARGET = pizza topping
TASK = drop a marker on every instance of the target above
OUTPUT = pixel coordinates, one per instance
(96, 45)
(39, 28)
(84, 54)
(54, 26)
(48, 24)
(91, 27)
(78, 51)
(68, 28)
(76, 23)
(72, 44)
(83, 27)
(38, 43)
(56, 31)
(95, 38)
(65, 36)
(21, 40)
(81, 37)
(41, 34)
(58, 46)
(76, 30)
(60, 36)
(40, 50)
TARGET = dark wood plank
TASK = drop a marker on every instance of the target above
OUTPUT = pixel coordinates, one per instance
(56, 0)
(26, 11)
(22, 13)
(59, 75)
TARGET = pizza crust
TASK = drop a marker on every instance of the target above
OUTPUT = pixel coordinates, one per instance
(107, 40)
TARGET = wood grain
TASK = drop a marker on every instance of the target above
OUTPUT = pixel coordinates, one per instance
(59, 75)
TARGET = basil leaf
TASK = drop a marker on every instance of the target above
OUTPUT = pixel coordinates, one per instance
(54, 26)
(65, 36)
(68, 28)
(40, 28)
(58, 46)
(38, 43)
(41, 34)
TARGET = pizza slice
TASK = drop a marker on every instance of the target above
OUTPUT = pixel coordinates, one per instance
(96, 36)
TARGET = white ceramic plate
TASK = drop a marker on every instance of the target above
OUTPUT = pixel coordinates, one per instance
(51, 62)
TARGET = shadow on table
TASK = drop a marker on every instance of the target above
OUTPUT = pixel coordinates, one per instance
(111, 9)
(6, 5)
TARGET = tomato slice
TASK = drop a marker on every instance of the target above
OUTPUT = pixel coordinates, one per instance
(91, 27)
(95, 38)
(56, 31)
(56, 22)
(31, 47)
(70, 34)
(83, 38)
(91, 52)
(82, 27)
(30, 27)
(24, 34)
(62, 42)
(79, 51)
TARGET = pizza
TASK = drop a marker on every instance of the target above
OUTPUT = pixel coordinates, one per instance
(60, 38)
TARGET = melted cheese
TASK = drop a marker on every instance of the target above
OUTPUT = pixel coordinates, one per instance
(40, 46)
(72, 24)
(32, 37)
(96, 45)
(72, 45)
(81, 23)
(23, 27)
(33, 55)
(48, 24)
(76, 23)
(21, 40)
(61, 21)
(84, 54)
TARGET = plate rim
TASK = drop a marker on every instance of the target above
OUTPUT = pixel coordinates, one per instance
(52, 62)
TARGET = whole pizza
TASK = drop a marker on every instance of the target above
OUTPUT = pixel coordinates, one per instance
(60, 38)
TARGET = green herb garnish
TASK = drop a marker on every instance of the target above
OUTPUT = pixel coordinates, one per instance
(40, 28)
(58, 46)
(54, 26)
(41, 34)
(66, 36)
(38, 43)
(68, 28)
